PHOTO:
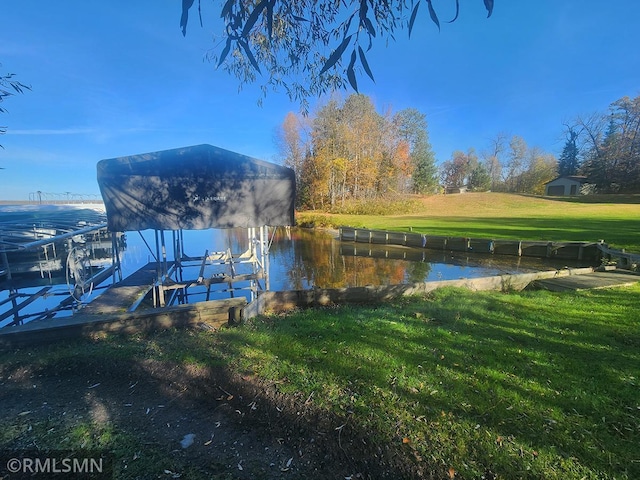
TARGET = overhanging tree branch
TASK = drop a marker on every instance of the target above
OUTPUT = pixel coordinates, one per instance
(300, 45)
(8, 87)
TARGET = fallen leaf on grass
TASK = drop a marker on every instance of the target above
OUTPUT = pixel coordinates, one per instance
(405, 440)
(452, 472)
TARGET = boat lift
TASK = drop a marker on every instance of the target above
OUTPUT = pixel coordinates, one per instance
(183, 276)
(52, 255)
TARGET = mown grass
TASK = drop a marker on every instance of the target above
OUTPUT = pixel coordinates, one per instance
(615, 219)
(523, 385)
(527, 384)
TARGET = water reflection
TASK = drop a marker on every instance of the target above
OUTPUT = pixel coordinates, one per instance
(299, 259)
(304, 258)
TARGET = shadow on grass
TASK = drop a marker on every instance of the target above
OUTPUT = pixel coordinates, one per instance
(138, 397)
(523, 388)
(615, 199)
(535, 385)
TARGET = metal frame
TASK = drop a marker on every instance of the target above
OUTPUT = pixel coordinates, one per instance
(175, 278)
(40, 234)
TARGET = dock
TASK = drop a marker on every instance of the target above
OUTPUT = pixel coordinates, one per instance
(581, 251)
(124, 295)
(590, 281)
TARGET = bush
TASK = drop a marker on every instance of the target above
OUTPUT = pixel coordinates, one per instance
(379, 206)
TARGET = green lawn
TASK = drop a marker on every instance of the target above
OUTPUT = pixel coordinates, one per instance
(525, 385)
(506, 385)
(615, 219)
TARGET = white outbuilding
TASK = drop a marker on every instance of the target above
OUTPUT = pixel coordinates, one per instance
(565, 186)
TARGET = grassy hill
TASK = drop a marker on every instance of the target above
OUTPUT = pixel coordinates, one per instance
(614, 218)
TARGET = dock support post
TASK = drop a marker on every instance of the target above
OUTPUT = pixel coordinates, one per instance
(5, 261)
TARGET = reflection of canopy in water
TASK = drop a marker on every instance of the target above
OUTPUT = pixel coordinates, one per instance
(195, 188)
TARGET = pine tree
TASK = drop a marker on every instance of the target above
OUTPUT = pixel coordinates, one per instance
(569, 161)
(412, 128)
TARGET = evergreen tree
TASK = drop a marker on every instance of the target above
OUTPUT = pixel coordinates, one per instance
(412, 128)
(569, 161)
(480, 179)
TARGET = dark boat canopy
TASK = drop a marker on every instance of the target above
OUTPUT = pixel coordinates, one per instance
(195, 188)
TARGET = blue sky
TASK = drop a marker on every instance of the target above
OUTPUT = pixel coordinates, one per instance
(118, 78)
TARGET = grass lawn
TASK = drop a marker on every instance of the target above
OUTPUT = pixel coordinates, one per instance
(457, 384)
(523, 385)
(616, 219)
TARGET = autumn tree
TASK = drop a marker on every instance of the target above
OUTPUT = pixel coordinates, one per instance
(363, 134)
(612, 147)
(491, 159)
(412, 131)
(308, 47)
(510, 165)
(292, 144)
(540, 168)
(355, 153)
(457, 171)
(324, 168)
(515, 164)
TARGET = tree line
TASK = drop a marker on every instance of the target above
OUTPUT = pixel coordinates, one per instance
(605, 148)
(507, 165)
(348, 151)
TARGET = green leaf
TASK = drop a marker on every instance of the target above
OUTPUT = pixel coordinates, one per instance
(363, 9)
(253, 18)
(365, 64)
(457, 11)
(249, 53)
(270, 18)
(226, 9)
(351, 76)
(336, 54)
(489, 6)
(225, 52)
(433, 14)
(184, 19)
(413, 18)
(370, 29)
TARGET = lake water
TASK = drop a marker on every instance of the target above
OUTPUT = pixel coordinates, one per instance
(304, 258)
(299, 259)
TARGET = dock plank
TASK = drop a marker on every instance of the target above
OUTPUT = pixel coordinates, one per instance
(122, 295)
(589, 281)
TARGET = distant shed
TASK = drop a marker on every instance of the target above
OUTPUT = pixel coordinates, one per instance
(565, 186)
(195, 188)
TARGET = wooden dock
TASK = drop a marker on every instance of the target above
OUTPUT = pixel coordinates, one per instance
(122, 296)
(212, 314)
(581, 251)
(591, 281)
